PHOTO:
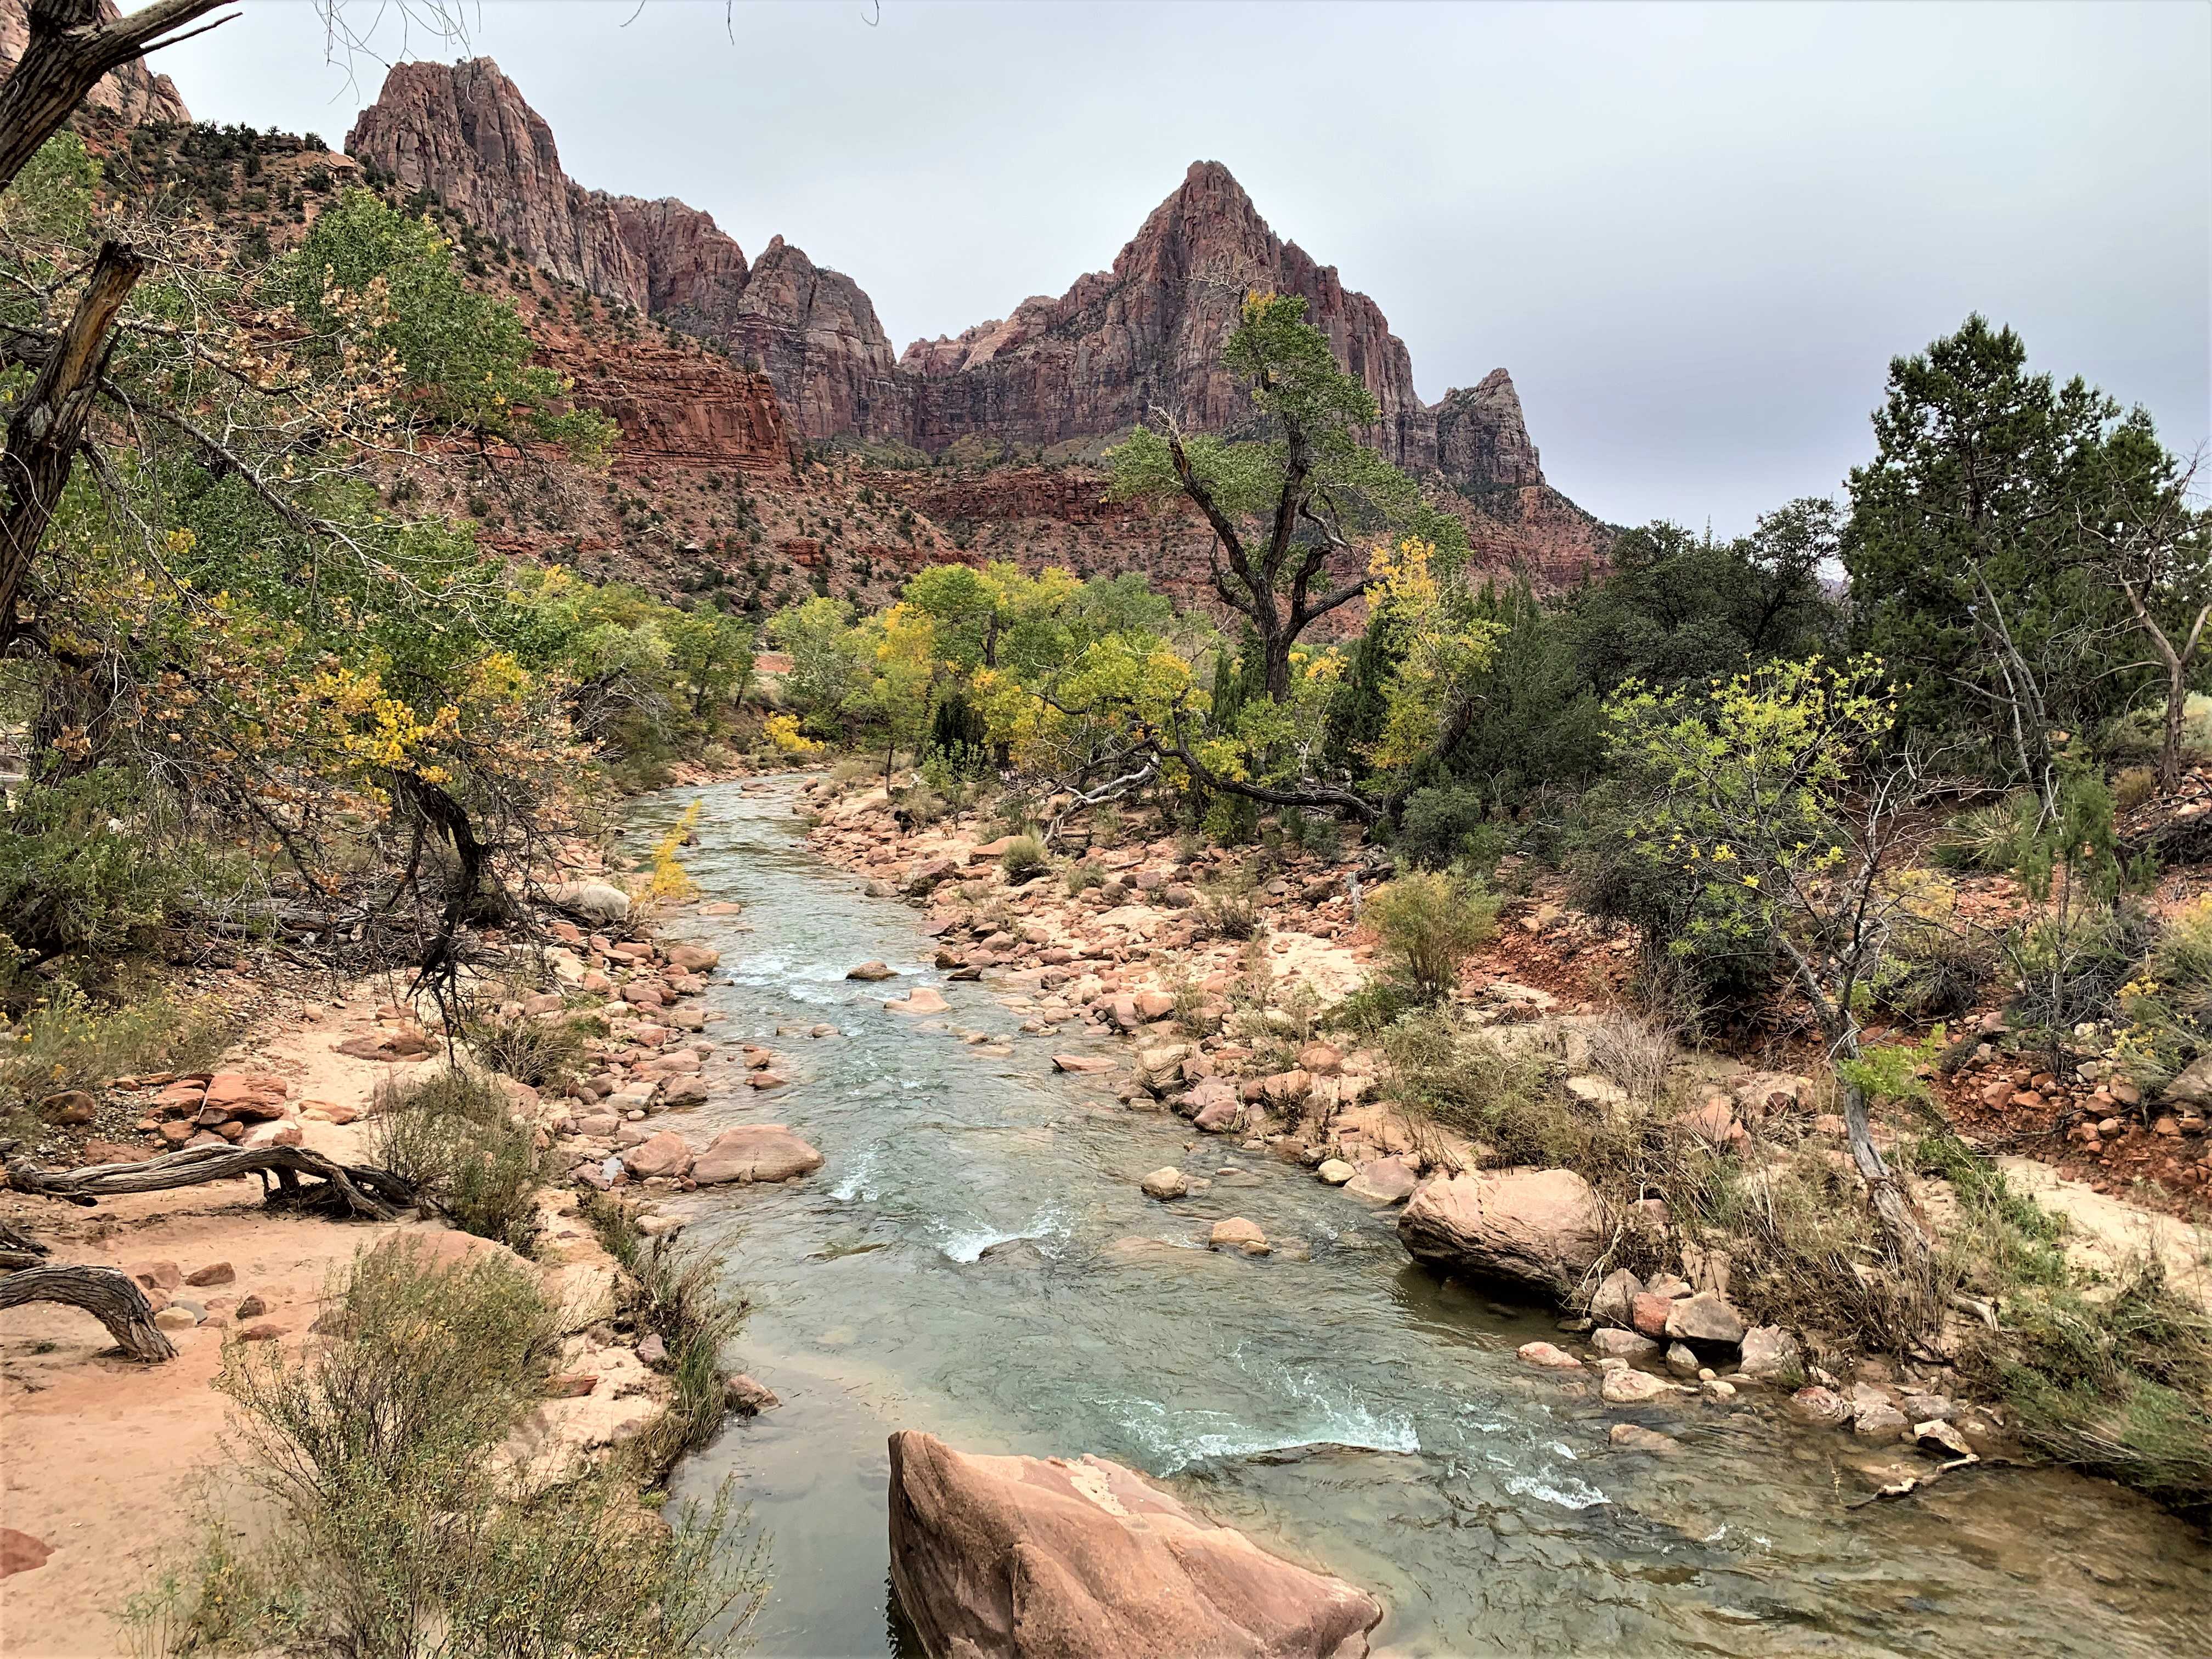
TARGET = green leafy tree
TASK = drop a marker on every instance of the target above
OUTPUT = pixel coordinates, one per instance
(1282, 505)
(1962, 547)
(826, 661)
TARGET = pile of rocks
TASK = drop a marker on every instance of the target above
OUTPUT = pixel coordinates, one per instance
(181, 1299)
(651, 1064)
(216, 1109)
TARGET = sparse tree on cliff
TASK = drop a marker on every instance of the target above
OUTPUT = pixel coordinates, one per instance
(1299, 493)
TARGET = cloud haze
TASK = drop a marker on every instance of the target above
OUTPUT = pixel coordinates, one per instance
(1695, 234)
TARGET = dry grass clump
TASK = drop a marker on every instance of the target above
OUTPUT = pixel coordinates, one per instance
(1430, 922)
(1636, 1053)
(398, 1525)
(452, 1135)
(71, 1041)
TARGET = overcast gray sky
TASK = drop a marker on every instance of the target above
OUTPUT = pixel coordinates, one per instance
(1695, 234)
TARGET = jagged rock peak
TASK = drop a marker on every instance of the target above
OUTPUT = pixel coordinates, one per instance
(464, 133)
(132, 91)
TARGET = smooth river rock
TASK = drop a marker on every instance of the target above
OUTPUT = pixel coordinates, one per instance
(755, 1152)
(1533, 1229)
(922, 999)
(1029, 1558)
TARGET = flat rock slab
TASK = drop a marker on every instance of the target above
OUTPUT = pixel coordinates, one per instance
(755, 1152)
(922, 999)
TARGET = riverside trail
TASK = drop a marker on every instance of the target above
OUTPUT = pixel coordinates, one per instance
(976, 1259)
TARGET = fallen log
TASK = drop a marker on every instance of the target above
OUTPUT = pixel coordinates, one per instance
(107, 1294)
(344, 1190)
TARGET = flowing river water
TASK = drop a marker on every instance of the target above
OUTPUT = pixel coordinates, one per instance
(963, 1264)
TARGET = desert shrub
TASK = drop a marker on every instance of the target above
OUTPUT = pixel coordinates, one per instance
(1431, 923)
(2067, 965)
(452, 1135)
(71, 881)
(2182, 959)
(1024, 858)
(1317, 832)
(1991, 839)
(2132, 787)
(1231, 820)
(398, 1530)
(1938, 960)
(71, 1041)
(1636, 1053)
(1105, 825)
(848, 769)
(1228, 908)
(1377, 1004)
(1082, 877)
(1449, 825)
(546, 1051)
(1499, 1092)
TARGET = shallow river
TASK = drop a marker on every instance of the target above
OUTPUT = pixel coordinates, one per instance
(1346, 1410)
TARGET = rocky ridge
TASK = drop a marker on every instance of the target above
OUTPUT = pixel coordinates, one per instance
(1072, 370)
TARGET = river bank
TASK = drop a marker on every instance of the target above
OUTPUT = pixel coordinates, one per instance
(976, 1259)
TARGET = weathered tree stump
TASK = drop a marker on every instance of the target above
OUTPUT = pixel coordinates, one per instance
(107, 1294)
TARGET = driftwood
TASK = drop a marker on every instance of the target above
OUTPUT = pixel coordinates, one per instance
(107, 1294)
(340, 1188)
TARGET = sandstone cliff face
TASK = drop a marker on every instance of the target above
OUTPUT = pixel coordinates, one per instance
(133, 93)
(1146, 334)
(462, 132)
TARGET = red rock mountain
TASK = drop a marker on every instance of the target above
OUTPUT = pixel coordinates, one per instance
(133, 93)
(1076, 369)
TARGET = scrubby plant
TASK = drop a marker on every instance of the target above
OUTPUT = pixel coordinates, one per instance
(70, 1041)
(1990, 839)
(1228, 908)
(1025, 860)
(397, 1529)
(452, 1135)
(1448, 825)
(546, 1051)
(1431, 923)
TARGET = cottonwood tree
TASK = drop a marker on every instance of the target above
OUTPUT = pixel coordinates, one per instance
(1761, 818)
(1300, 492)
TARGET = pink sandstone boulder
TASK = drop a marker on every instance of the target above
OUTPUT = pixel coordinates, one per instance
(755, 1152)
(1023, 1557)
(1531, 1230)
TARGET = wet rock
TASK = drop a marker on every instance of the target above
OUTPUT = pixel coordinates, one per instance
(1165, 1184)
(1016, 1557)
(1820, 1406)
(665, 1153)
(1536, 1229)
(1770, 1351)
(1335, 1171)
(1237, 1233)
(1630, 1436)
(1081, 1064)
(1622, 1345)
(1610, 1303)
(1704, 1320)
(755, 1152)
(922, 999)
(694, 958)
(1546, 1355)
(744, 1396)
(1623, 1387)
(1384, 1181)
(871, 970)
(1218, 1117)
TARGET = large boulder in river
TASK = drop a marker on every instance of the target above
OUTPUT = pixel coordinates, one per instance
(755, 1152)
(1023, 1557)
(1530, 1230)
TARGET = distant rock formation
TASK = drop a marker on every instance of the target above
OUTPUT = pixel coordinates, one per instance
(1145, 334)
(133, 93)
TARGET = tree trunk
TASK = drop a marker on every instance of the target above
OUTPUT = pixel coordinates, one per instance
(1907, 1242)
(70, 48)
(344, 1189)
(2177, 708)
(48, 425)
(107, 1295)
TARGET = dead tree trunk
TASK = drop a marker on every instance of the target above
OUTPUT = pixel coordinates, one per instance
(340, 1189)
(107, 1294)
(71, 47)
(48, 425)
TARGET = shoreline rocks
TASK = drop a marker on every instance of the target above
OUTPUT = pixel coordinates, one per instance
(1530, 1230)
